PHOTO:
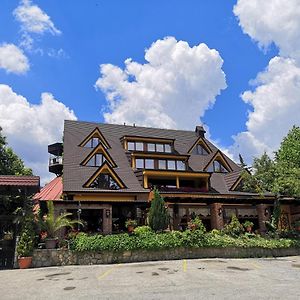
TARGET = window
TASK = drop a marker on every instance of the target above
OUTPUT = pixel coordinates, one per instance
(159, 148)
(180, 165)
(149, 163)
(200, 150)
(168, 148)
(139, 146)
(96, 160)
(131, 146)
(171, 165)
(139, 163)
(217, 166)
(105, 181)
(92, 143)
(162, 164)
(151, 147)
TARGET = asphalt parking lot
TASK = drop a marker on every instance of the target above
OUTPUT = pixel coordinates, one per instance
(264, 278)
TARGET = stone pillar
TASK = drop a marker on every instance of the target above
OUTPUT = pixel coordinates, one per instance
(262, 216)
(107, 219)
(216, 216)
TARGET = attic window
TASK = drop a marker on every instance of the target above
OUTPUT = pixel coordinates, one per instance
(105, 181)
(96, 161)
(200, 150)
(92, 143)
(217, 166)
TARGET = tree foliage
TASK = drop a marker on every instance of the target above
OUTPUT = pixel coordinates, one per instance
(280, 175)
(158, 214)
(10, 163)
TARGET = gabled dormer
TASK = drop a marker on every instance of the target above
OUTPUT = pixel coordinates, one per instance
(94, 139)
(200, 147)
(97, 157)
(105, 178)
(218, 164)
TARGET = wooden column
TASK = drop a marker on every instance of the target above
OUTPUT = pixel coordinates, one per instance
(262, 217)
(216, 216)
(107, 219)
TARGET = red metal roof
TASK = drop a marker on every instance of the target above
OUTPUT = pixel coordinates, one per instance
(51, 191)
(13, 180)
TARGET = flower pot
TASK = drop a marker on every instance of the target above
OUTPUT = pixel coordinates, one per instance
(50, 243)
(249, 229)
(25, 262)
(130, 228)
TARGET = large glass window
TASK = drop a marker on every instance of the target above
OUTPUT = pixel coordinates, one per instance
(105, 181)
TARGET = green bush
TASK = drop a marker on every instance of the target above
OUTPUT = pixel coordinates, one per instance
(27, 239)
(142, 230)
(234, 228)
(149, 240)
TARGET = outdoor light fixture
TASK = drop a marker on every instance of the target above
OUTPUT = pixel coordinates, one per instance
(220, 211)
(107, 213)
(266, 212)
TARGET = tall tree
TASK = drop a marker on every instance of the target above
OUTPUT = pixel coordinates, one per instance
(287, 161)
(262, 179)
(158, 214)
(10, 163)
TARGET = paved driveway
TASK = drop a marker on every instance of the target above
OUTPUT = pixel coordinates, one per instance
(182, 279)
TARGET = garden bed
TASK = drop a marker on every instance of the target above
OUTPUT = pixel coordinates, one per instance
(149, 246)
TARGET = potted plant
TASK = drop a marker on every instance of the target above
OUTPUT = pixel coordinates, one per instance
(52, 224)
(26, 244)
(248, 225)
(8, 235)
(130, 225)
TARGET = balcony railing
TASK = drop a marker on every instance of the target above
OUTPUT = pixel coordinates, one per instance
(56, 160)
(182, 189)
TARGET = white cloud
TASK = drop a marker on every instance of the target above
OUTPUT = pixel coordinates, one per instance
(275, 99)
(33, 19)
(272, 21)
(276, 107)
(30, 128)
(12, 59)
(173, 89)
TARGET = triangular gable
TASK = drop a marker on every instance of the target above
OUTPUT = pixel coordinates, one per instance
(96, 133)
(202, 142)
(220, 157)
(236, 183)
(99, 149)
(105, 169)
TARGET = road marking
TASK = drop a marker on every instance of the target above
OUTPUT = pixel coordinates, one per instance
(108, 271)
(257, 266)
(184, 265)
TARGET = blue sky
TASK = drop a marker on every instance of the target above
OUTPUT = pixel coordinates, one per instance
(66, 63)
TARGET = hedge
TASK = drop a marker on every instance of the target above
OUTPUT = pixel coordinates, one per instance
(190, 239)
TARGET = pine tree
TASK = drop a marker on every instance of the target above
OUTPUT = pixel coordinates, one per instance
(158, 214)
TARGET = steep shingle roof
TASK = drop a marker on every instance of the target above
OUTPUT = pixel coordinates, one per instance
(76, 175)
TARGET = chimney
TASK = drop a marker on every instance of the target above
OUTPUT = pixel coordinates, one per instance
(200, 131)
